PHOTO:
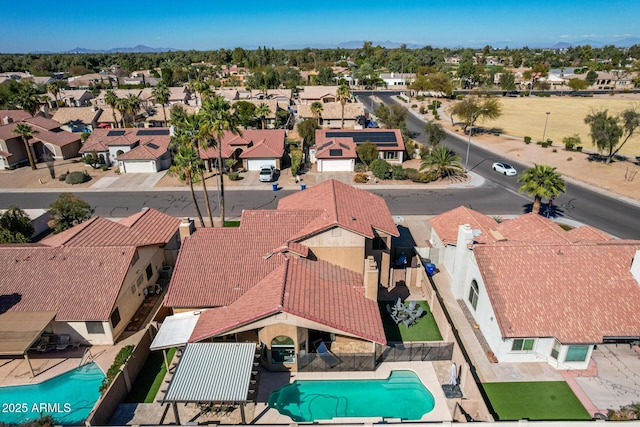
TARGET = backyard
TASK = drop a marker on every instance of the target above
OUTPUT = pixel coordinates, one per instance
(424, 329)
(148, 383)
(550, 400)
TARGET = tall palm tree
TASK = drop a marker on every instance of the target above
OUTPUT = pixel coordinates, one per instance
(27, 99)
(190, 131)
(161, 95)
(26, 132)
(54, 90)
(343, 93)
(133, 106)
(541, 181)
(443, 162)
(186, 166)
(316, 109)
(262, 111)
(112, 100)
(218, 119)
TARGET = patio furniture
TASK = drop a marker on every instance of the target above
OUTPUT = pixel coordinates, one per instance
(412, 305)
(63, 343)
(323, 352)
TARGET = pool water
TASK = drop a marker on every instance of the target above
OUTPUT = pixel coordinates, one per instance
(68, 398)
(402, 395)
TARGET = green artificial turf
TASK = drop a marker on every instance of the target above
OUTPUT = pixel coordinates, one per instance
(425, 329)
(232, 223)
(548, 400)
(148, 383)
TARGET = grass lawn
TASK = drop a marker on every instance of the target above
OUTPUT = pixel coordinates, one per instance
(148, 383)
(535, 400)
(424, 329)
(526, 116)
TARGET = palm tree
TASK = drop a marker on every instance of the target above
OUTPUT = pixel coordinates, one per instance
(190, 131)
(26, 132)
(112, 100)
(316, 109)
(218, 119)
(161, 95)
(541, 181)
(186, 166)
(343, 93)
(27, 99)
(54, 90)
(131, 107)
(443, 162)
(262, 111)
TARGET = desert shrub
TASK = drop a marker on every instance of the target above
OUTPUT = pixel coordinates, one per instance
(436, 116)
(417, 176)
(105, 168)
(571, 142)
(398, 172)
(543, 144)
(579, 148)
(296, 161)
(422, 110)
(233, 176)
(380, 169)
(360, 178)
(414, 106)
(527, 140)
(77, 178)
(549, 142)
(359, 167)
(569, 159)
(63, 177)
(555, 150)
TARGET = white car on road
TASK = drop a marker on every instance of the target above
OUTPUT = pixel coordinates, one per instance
(504, 168)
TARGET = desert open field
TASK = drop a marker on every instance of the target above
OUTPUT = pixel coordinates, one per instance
(526, 117)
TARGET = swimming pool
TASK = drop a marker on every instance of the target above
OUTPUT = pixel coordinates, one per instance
(402, 395)
(68, 397)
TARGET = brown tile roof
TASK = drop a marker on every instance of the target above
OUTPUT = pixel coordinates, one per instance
(218, 252)
(43, 123)
(271, 103)
(346, 146)
(261, 143)
(578, 293)
(317, 92)
(333, 110)
(343, 205)
(100, 140)
(41, 127)
(81, 284)
(15, 115)
(147, 227)
(150, 150)
(86, 115)
(314, 290)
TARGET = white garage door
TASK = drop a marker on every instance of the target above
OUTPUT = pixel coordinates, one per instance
(138, 167)
(335, 165)
(256, 164)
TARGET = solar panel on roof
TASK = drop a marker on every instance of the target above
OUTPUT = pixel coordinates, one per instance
(326, 144)
(335, 152)
(343, 146)
(116, 132)
(152, 132)
(152, 145)
(380, 138)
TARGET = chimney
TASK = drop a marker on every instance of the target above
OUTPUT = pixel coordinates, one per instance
(461, 261)
(6, 120)
(371, 278)
(187, 227)
(635, 267)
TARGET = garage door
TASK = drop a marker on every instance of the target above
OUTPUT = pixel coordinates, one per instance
(138, 167)
(255, 164)
(335, 165)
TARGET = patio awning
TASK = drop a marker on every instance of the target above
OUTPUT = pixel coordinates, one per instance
(213, 373)
(19, 330)
(175, 330)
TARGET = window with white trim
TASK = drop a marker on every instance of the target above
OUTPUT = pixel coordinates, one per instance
(473, 294)
(523, 344)
(555, 350)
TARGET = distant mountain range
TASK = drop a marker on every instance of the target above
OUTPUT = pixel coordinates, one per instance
(626, 42)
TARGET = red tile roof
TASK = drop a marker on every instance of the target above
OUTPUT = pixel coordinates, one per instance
(392, 137)
(533, 228)
(100, 140)
(150, 150)
(342, 205)
(345, 145)
(147, 227)
(261, 143)
(446, 225)
(578, 293)
(43, 123)
(81, 284)
(314, 290)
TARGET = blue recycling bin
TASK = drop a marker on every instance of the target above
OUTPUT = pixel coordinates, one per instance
(303, 186)
(431, 268)
(274, 186)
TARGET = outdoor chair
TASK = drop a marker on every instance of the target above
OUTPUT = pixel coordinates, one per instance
(418, 313)
(63, 343)
(412, 305)
(323, 352)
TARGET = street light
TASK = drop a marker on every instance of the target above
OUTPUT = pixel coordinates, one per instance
(473, 118)
(544, 133)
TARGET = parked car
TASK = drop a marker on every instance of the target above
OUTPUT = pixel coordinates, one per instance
(504, 168)
(267, 173)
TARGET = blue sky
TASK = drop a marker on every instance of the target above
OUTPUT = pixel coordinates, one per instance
(29, 25)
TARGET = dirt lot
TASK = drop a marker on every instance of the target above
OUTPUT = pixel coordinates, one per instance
(24, 177)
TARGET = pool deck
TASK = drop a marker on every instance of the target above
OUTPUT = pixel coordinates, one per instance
(424, 370)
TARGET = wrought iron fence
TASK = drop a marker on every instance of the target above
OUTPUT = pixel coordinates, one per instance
(412, 352)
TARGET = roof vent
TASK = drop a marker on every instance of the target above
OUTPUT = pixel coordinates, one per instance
(353, 218)
(236, 287)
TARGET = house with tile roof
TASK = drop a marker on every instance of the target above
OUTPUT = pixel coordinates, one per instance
(133, 150)
(335, 150)
(324, 94)
(253, 148)
(78, 119)
(536, 291)
(331, 115)
(291, 277)
(48, 139)
(96, 274)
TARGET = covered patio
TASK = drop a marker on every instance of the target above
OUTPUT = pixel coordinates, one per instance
(19, 331)
(211, 374)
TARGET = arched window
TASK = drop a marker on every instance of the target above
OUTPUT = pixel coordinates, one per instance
(283, 350)
(473, 294)
(119, 152)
